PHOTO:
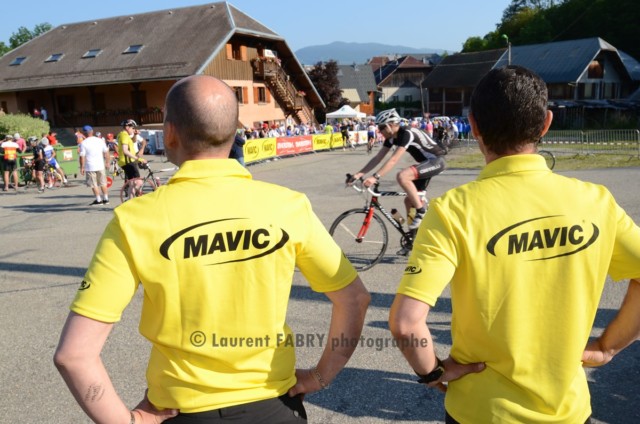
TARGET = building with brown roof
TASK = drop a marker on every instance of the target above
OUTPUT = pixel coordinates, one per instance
(101, 72)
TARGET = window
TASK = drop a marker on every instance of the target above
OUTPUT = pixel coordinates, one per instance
(236, 51)
(242, 94)
(134, 48)
(408, 98)
(261, 95)
(595, 70)
(91, 53)
(54, 57)
(18, 61)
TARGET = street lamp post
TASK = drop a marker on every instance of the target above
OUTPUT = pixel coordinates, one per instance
(506, 37)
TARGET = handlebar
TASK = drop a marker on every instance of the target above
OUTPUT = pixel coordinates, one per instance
(358, 185)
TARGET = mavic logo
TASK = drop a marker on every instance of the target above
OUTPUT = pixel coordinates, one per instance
(225, 241)
(543, 238)
(412, 269)
(84, 285)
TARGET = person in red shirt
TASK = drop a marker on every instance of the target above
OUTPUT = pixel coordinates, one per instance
(52, 138)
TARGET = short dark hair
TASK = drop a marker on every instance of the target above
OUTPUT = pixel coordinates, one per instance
(509, 106)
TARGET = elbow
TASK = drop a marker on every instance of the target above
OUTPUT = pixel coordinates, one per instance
(400, 327)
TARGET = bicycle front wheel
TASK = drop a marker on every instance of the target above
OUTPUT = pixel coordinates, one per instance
(363, 253)
(548, 157)
(136, 187)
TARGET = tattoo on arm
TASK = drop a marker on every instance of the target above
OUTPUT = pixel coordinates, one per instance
(94, 393)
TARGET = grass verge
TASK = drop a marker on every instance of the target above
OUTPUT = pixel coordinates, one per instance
(469, 158)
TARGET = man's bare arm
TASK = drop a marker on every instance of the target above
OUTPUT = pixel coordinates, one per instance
(620, 333)
(347, 319)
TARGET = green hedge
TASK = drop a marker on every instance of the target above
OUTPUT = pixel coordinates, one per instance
(23, 124)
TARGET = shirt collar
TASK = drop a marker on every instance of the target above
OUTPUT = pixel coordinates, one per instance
(514, 163)
(207, 168)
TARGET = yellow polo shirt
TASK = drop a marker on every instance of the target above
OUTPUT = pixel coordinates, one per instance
(527, 253)
(124, 139)
(215, 252)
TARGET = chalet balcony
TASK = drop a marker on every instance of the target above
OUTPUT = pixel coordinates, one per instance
(107, 118)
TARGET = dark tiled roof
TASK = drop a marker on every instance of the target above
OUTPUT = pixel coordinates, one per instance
(560, 61)
(176, 43)
(463, 69)
(358, 77)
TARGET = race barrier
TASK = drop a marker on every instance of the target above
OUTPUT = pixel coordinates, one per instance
(261, 149)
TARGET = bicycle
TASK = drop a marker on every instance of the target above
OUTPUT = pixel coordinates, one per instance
(115, 169)
(548, 157)
(362, 234)
(136, 187)
(52, 178)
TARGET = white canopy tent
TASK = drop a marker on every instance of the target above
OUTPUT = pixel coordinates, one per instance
(346, 111)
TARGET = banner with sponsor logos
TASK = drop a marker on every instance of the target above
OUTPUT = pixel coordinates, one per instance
(259, 149)
(294, 145)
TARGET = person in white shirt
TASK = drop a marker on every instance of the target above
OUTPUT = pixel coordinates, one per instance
(94, 159)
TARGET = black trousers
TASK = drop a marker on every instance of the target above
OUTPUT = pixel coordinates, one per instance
(280, 410)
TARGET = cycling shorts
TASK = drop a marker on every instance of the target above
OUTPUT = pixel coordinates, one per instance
(9, 165)
(53, 162)
(371, 135)
(131, 171)
(423, 171)
(38, 165)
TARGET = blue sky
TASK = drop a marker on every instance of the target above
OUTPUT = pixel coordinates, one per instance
(442, 24)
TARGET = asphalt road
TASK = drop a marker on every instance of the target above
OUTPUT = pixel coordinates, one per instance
(48, 239)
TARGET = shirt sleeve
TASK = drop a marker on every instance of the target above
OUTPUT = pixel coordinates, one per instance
(110, 281)
(433, 259)
(321, 260)
(625, 260)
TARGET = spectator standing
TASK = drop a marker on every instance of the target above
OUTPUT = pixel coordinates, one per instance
(232, 293)
(94, 159)
(79, 136)
(43, 114)
(21, 142)
(10, 150)
(52, 138)
(527, 253)
(429, 127)
(237, 148)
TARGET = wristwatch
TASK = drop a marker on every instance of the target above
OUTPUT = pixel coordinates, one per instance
(433, 375)
(376, 176)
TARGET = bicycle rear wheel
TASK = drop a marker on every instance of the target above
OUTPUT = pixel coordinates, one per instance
(136, 187)
(369, 250)
(548, 157)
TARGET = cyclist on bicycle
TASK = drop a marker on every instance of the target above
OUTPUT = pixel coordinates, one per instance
(127, 157)
(420, 146)
(371, 136)
(50, 157)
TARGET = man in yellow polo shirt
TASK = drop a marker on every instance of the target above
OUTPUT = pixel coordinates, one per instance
(216, 261)
(526, 253)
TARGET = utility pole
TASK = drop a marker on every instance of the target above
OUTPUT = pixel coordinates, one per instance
(506, 37)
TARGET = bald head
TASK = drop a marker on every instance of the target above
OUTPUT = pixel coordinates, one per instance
(204, 113)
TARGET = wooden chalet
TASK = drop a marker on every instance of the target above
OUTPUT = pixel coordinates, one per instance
(358, 86)
(101, 72)
(587, 73)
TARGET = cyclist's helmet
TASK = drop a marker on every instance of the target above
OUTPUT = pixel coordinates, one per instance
(388, 116)
(128, 123)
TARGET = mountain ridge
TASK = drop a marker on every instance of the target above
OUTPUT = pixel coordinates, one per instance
(346, 53)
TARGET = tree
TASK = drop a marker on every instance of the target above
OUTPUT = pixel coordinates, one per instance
(324, 77)
(22, 35)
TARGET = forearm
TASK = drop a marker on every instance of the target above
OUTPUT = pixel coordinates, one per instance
(347, 320)
(417, 347)
(625, 327)
(92, 388)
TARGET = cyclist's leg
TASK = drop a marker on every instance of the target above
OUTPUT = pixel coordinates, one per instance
(131, 171)
(58, 168)
(422, 171)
